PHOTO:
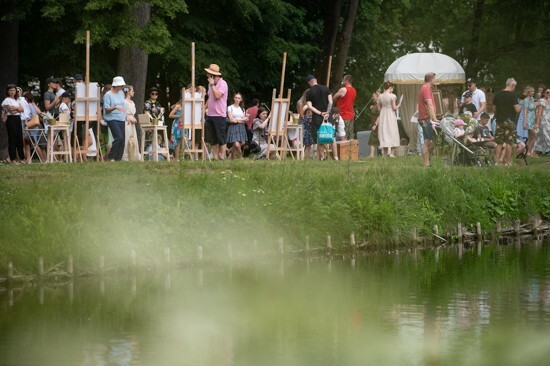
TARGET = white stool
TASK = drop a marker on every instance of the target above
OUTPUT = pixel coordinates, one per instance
(156, 151)
(53, 138)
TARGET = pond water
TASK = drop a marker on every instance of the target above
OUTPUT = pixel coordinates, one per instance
(473, 306)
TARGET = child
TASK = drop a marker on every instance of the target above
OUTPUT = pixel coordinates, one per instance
(468, 105)
(309, 137)
(459, 128)
(332, 119)
(338, 123)
(482, 132)
(65, 106)
(162, 156)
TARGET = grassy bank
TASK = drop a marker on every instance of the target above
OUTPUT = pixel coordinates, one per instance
(88, 210)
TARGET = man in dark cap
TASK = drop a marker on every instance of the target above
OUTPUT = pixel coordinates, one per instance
(478, 97)
(319, 101)
(468, 106)
(51, 100)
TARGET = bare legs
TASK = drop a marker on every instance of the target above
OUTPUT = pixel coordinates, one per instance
(427, 149)
(507, 153)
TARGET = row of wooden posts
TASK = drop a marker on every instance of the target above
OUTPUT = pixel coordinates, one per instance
(462, 236)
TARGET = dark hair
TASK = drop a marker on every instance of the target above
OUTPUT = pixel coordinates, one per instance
(335, 110)
(484, 116)
(241, 104)
(429, 76)
(262, 110)
(11, 86)
(255, 102)
(28, 96)
(387, 85)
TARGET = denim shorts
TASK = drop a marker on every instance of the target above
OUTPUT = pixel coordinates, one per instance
(427, 130)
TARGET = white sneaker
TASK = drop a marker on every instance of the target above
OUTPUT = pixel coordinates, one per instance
(336, 158)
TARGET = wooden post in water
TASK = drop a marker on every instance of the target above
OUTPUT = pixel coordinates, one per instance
(101, 265)
(478, 230)
(133, 260)
(352, 240)
(230, 251)
(281, 245)
(415, 236)
(436, 229)
(517, 226)
(459, 232)
(199, 254)
(307, 245)
(10, 271)
(498, 227)
(167, 256)
(70, 269)
(41, 267)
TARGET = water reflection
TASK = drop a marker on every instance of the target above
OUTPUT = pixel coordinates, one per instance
(479, 305)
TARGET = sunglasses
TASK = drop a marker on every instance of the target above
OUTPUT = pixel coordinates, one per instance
(154, 93)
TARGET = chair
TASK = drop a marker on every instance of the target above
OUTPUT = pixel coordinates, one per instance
(294, 133)
(38, 139)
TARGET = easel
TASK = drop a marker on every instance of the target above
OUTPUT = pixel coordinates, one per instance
(87, 108)
(277, 140)
(192, 114)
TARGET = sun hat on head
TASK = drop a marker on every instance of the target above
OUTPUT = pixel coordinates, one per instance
(213, 69)
(118, 81)
(459, 122)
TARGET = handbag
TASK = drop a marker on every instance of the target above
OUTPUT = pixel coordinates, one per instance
(325, 133)
(33, 122)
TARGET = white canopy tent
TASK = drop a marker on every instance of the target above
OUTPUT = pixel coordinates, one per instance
(408, 71)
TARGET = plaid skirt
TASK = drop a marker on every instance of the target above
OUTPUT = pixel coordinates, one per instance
(236, 133)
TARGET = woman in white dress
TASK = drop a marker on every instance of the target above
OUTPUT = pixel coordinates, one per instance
(542, 124)
(388, 132)
(130, 140)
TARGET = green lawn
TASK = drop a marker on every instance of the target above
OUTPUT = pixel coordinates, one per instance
(107, 209)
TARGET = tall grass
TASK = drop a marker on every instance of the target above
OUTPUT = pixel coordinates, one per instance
(88, 210)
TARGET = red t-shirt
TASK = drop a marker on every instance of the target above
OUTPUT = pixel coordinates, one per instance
(424, 94)
(346, 103)
(253, 113)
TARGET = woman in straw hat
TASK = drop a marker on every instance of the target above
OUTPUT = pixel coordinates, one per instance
(114, 113)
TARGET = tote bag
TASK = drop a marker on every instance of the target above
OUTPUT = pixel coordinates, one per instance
(325, 133)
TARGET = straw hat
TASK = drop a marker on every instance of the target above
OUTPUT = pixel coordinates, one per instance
(118, 81)
(214, 70)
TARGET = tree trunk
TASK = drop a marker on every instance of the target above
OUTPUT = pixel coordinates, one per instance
(9, 39)
(472, 66)
(329, 40)
(132, 61)
(342, 54)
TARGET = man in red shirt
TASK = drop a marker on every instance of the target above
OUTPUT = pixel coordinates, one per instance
(426, 116)
(345, 99)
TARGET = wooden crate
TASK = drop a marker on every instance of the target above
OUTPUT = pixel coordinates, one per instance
(348, 150)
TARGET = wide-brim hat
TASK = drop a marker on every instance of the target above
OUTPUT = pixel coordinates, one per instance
(118, 81)
(213, 69)
(459, 122)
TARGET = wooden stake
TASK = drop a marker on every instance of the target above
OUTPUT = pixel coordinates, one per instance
(478, 230)
(41, 266)
(281, 246)
(436, 229)
(101, 265)
(70, 270)
(307, 244)
(459, 231)
(517, 225)
(230, 251)
(10, 270)
(133, 259)
(352, 240)
(498, 227)
(282, 76)
(328, 70)
(415, 236)
(329, 243)
(167, 255)
(199, 254)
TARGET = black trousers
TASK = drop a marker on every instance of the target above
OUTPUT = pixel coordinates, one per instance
(15, 138)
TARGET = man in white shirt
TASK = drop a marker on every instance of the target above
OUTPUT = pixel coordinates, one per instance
(478, 97)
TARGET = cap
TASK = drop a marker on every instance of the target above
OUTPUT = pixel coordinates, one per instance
(310, 77)
(459, 122)
(66, 95)
(153, 89)
(78, 77)
(467, 95)
(50, 80)
(471, 81)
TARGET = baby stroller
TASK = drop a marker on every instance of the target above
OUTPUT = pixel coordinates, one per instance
(473, 154)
